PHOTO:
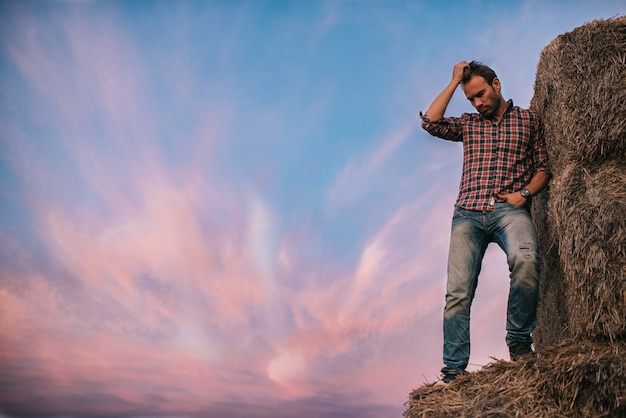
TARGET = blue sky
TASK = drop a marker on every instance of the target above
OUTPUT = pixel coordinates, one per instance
(228, 208)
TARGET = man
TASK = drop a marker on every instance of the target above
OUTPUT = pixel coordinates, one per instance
(504, 164)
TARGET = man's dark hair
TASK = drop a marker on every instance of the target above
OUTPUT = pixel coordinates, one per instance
(478, 68)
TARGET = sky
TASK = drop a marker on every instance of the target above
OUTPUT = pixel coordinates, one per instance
(229, 208)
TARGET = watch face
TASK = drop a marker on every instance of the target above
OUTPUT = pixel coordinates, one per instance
(525, 192)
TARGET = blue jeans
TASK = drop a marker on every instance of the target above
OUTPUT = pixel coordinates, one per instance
(513, 230)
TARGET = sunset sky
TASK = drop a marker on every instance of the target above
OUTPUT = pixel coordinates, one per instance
(229, 209)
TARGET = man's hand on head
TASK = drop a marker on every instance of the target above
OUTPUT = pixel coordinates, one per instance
(457, 72)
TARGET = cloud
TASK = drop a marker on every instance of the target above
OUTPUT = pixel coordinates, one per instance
(286, 367)
(262, 239)
(361, 174)
(153, 271)
(398, 279)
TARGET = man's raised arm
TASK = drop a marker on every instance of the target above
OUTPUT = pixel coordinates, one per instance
(438, 107)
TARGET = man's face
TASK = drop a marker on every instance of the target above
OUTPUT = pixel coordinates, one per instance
(485, 98)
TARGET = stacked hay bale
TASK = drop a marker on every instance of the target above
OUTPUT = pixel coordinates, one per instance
(580, 91)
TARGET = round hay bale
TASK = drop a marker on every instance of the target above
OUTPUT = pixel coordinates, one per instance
(587, 210)
(580, 91)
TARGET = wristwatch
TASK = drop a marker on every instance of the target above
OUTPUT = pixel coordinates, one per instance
(525, 192)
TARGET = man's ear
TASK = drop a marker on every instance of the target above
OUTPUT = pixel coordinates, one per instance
(496, 84)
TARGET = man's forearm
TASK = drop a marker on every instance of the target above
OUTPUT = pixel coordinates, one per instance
(538, 182)
(438, 107)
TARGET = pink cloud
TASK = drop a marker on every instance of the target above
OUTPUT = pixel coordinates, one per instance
(358, 313)
(147, 294)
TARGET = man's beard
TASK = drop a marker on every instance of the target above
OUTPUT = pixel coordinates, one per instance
(489, 111)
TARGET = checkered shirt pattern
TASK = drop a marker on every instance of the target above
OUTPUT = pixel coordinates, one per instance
(497, 157)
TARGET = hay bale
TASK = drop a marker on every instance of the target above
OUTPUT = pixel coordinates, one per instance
(552, 316)
(588, 213)
(577, 378)
(580, 91)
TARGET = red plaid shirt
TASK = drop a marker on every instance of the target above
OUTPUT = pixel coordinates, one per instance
(497, 157)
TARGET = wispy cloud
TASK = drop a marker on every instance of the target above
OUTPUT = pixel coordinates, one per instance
(361, 174)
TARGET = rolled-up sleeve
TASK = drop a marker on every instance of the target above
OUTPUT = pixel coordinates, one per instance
(450, 129)
(540, 153)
